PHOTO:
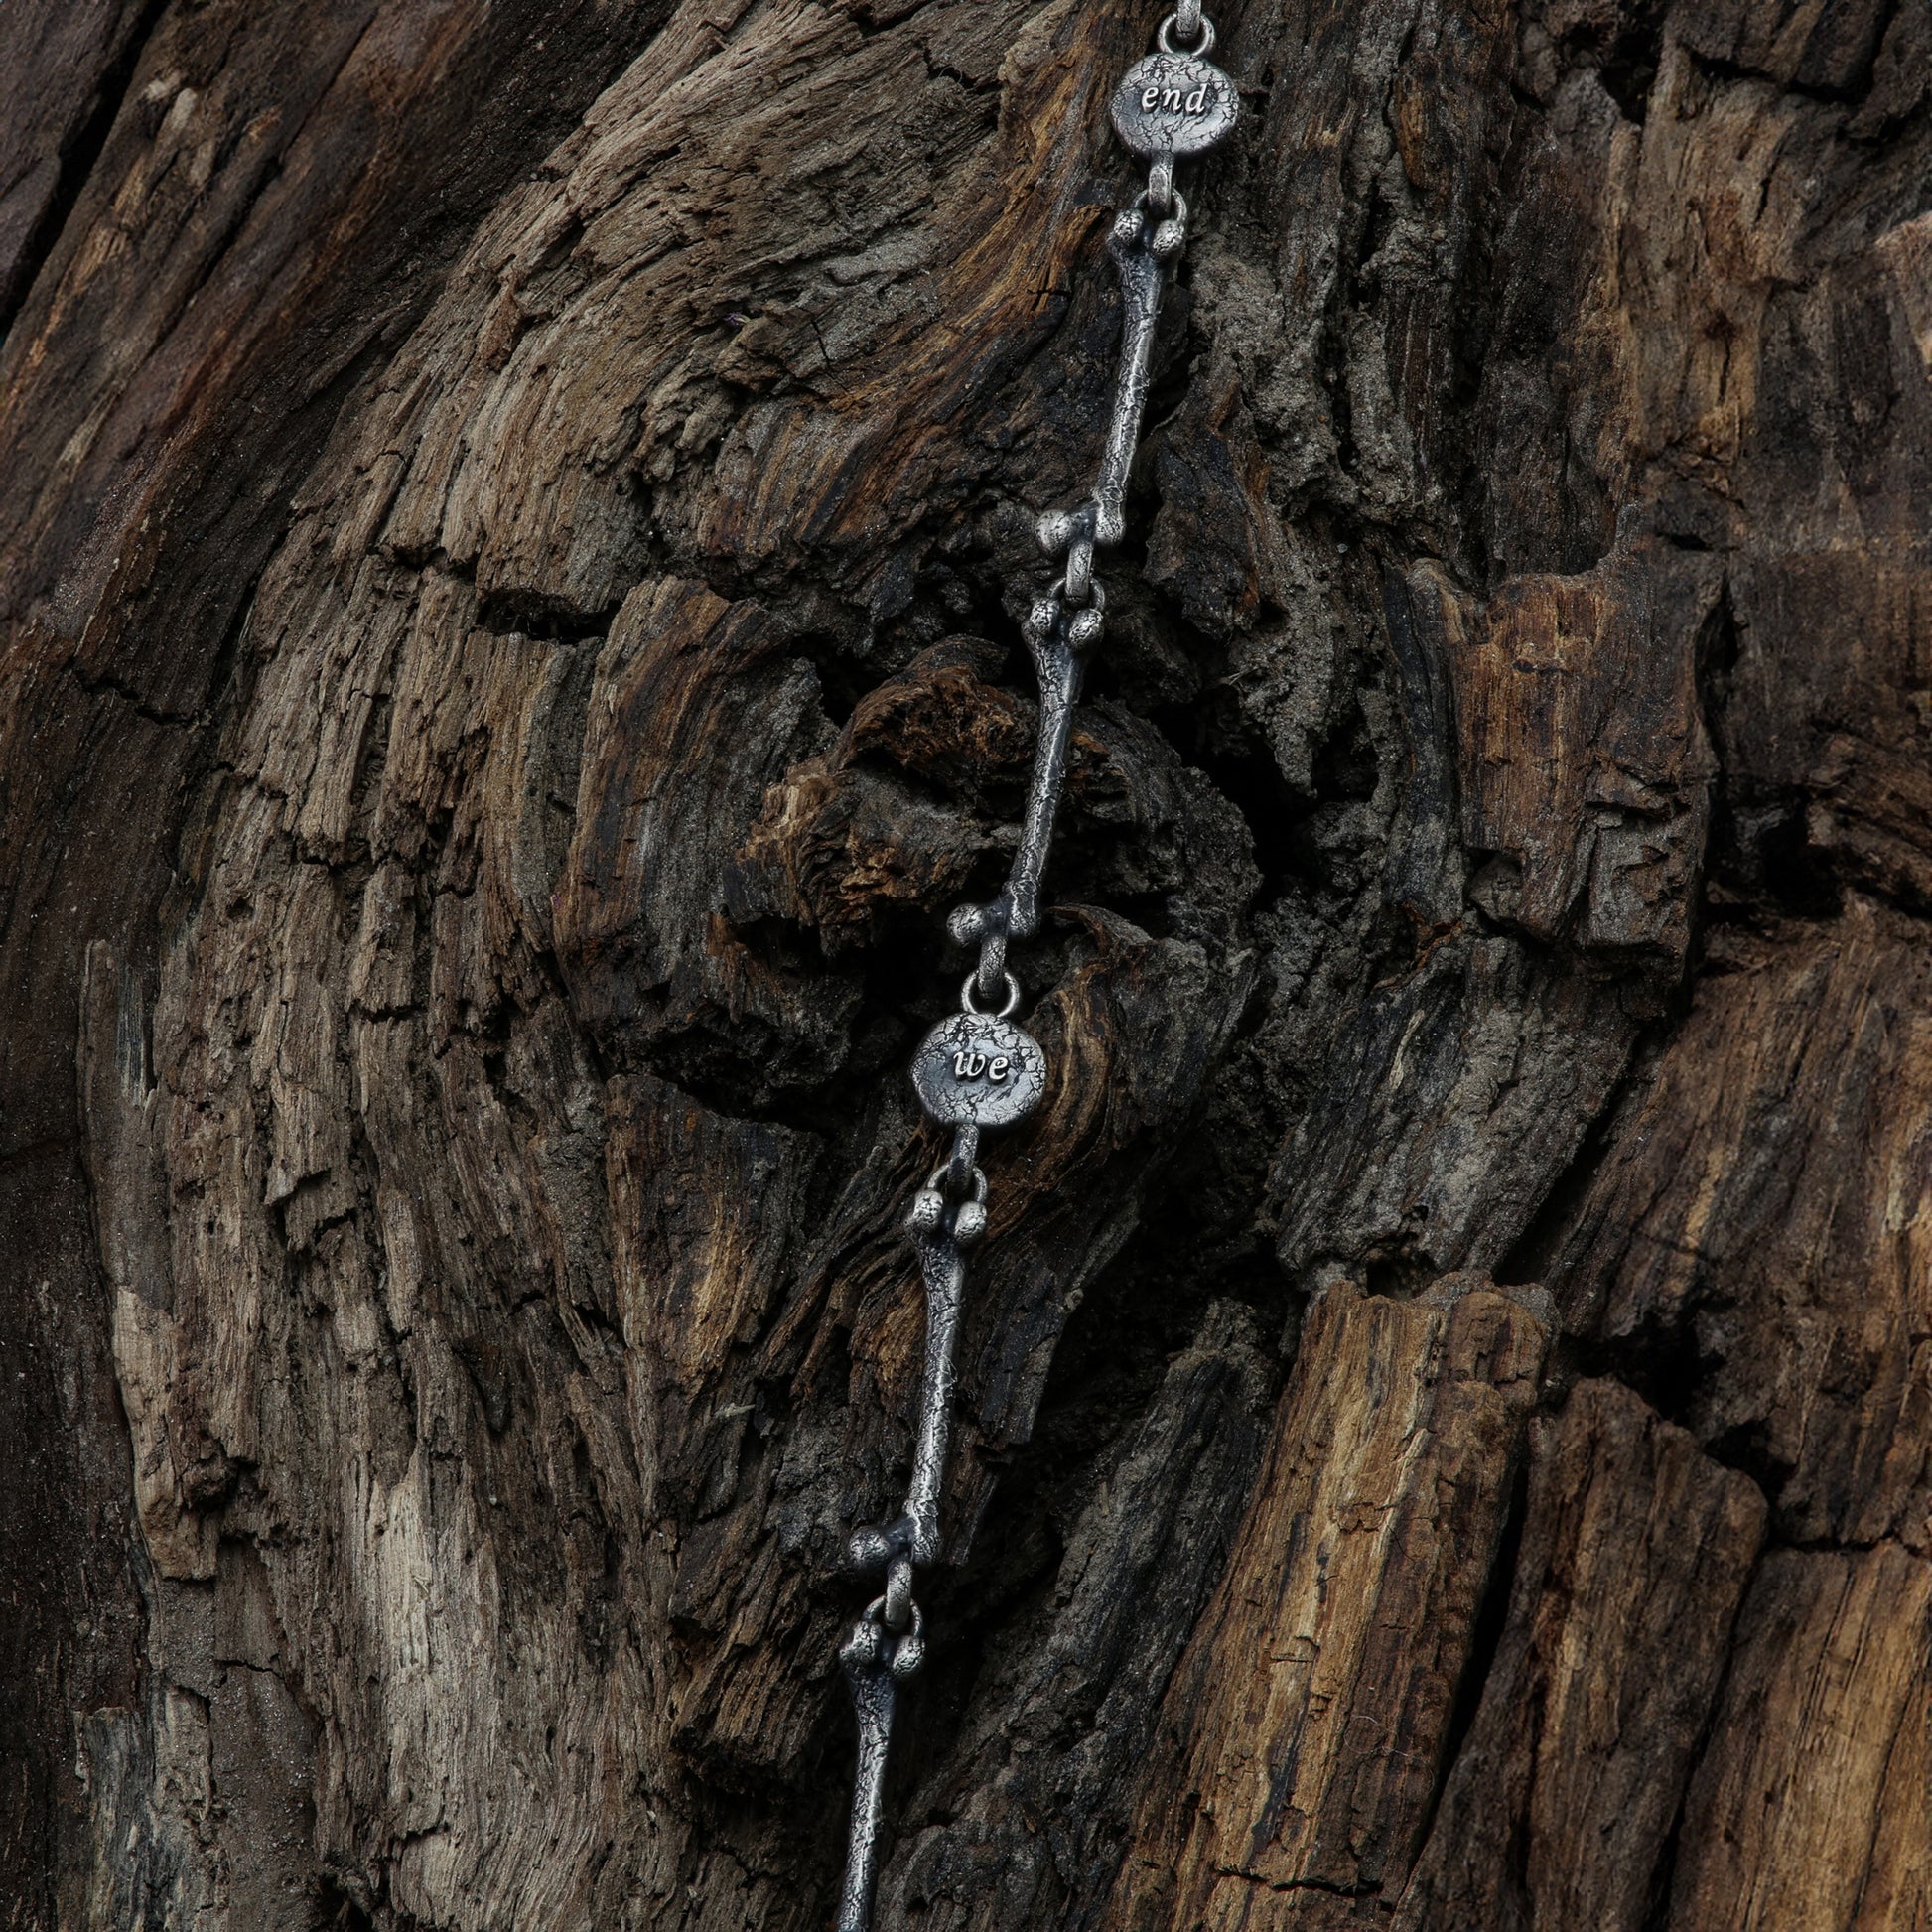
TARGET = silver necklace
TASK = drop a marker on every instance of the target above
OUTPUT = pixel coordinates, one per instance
(977, 1070)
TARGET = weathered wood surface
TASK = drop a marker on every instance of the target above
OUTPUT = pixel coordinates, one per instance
(1305, 1730)
(1636, 1551)
(511, 518)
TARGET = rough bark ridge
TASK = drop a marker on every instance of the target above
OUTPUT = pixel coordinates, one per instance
(513, 516)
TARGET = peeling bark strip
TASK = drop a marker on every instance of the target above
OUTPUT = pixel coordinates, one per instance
(504, 518)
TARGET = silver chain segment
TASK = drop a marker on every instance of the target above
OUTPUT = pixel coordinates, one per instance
(977, 1070)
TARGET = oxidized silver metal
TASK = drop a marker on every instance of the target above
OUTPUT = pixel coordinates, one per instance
(970, 992)
(1175, 104)
(875, 1659)
(942, 1268)
(976, 1070)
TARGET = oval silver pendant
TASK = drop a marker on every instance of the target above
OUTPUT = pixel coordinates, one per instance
(979, 1070)
(1175, 104)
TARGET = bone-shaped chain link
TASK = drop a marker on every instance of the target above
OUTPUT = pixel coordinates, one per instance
(977, 1070)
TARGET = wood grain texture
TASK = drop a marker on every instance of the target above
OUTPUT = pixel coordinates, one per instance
(1810, 1335)
(512, 519)
(1304, 1729)
(1809, 1807)
(1636, 1549)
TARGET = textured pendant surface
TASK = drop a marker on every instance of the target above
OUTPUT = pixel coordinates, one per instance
(978, 1070)
(1175, 104)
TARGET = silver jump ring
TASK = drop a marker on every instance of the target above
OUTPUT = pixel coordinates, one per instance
(1159, 182)
(1055, 592)
(1200, 51)
(1013, 992)
(1177, 211)
(934, 1180)
(1079, 569)
(899, 1596)
(876, 1614)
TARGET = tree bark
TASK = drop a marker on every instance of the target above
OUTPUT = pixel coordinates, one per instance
(513, 520)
